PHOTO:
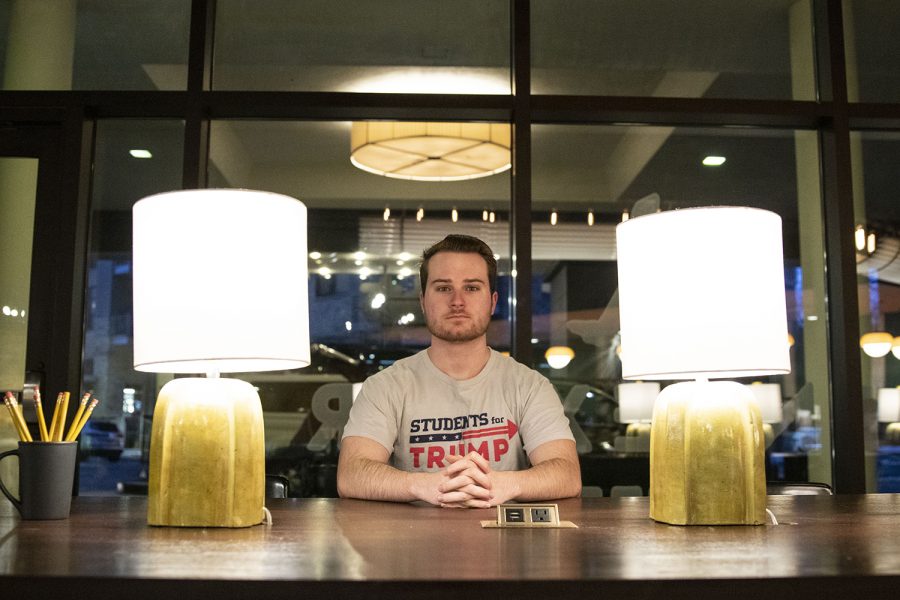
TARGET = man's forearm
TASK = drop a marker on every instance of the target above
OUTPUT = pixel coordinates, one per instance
(551, 479)
(372, 480)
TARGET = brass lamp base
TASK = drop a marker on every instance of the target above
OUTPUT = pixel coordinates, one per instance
(707, 458)
(892, 433)
(207, 455)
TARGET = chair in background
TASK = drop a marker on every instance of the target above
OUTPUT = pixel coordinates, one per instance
(591, 491)
(624, 491)
(276, 486)
(782, 488)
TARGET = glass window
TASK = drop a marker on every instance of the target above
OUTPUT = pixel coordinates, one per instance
(366, 233)
(586, 180)
(133, 159)
(875, 180)
(673, 48)
(94, 44)
(870, 47)
(413, 46)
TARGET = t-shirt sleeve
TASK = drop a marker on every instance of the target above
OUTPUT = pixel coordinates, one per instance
(543, 419)
(371, 415)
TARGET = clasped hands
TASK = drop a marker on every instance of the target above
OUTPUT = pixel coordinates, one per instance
(469, 482)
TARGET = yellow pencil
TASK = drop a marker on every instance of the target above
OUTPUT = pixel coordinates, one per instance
(61, 425)
(55, 418)
(12, 416)
(87, 415)
(42, 424)
(77, 417)
(21, 427)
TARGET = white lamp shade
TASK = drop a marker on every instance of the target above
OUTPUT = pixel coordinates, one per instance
(889, 405)
(636, 401)
(701, 294)
(220, 282)
(768, 398)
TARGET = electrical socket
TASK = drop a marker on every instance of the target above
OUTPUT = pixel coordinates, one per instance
(528, 515)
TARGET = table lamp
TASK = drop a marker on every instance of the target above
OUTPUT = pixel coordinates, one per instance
(768, 399)
(636, 408)
(701, 295)
(889, 412)
(220, 286)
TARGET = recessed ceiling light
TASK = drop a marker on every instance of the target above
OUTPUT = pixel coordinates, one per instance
(140, 153)
(713, 161)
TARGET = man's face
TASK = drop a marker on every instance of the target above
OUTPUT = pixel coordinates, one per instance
(457, 301)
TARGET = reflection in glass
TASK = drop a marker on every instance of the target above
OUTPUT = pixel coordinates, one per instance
(617, 172)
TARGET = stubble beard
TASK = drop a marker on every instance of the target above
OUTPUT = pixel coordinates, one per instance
(473, 331)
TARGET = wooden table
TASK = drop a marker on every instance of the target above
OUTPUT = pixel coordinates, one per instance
(825, 547)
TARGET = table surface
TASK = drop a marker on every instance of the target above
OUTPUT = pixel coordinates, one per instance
(824, 546)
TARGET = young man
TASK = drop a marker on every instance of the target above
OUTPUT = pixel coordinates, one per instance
(458, 424)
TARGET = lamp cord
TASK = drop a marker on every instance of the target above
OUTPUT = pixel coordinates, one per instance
(772, 516)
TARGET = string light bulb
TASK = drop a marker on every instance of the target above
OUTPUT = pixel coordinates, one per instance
(859, 237)
(454, 215)
(387, 213)
(420, 214)
(492, 216)
(590, 218)
(870, 242)
(484, 215)
(553, 217)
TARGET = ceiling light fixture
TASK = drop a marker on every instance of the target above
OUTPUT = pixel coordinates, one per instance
(430, 151)
(140, 153)
(714, 161)
(876, 343)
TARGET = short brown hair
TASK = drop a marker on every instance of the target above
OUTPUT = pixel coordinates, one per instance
(460, 243)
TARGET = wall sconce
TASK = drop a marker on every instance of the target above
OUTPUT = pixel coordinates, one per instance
(876, 343)
(558, 357)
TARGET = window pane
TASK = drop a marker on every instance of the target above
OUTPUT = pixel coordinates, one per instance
(366, 233)
(673, 48)
(94, 44)
(599, 172)
(127, 397)
(875, 156)
(415, 46)
(871, 47)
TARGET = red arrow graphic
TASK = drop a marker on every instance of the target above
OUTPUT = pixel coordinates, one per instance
(509, 429)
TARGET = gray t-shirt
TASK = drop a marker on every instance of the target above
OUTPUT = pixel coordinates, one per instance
(420, 414)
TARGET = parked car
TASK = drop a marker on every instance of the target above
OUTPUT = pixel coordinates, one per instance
(102, 438)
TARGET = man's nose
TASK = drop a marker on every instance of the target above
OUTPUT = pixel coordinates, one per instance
(456, 298)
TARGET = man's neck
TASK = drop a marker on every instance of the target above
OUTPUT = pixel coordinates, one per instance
(459, 360)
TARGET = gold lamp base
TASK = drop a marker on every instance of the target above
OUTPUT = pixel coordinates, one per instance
(707, 458)
(207, 455)
(892, 433)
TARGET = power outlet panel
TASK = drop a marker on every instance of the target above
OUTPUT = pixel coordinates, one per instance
(528, 515)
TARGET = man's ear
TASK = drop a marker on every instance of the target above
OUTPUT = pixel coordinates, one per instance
(494, 298)
(422, 302)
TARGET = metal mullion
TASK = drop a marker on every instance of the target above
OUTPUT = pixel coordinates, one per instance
(520, 206)
(848, 453)
(679, 111)
(196, 119)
